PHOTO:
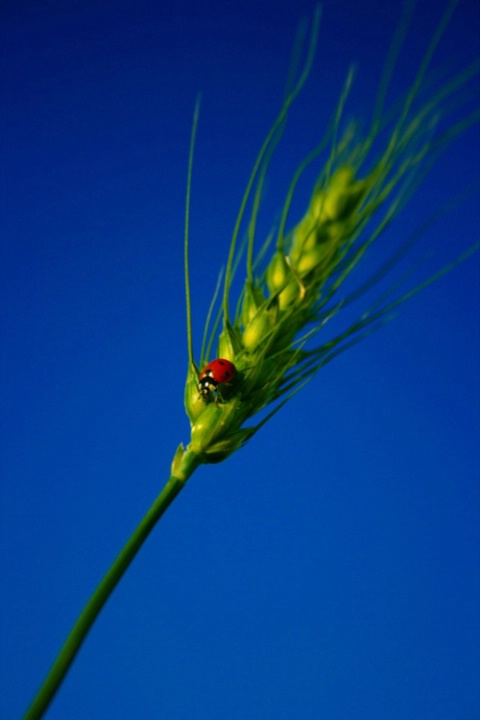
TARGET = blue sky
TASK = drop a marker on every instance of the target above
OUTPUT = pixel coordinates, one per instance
(329, 569)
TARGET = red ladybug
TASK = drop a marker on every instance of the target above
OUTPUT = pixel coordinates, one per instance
(218, 372)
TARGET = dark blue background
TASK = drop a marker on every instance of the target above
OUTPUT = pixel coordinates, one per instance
(331, 568)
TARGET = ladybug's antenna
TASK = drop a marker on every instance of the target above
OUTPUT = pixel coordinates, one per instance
(187, 221)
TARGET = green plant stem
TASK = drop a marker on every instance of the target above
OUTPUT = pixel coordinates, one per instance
(92, 609)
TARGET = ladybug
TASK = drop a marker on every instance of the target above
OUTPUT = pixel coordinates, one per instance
(217, 372)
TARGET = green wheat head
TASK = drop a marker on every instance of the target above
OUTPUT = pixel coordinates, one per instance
(295, 282)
